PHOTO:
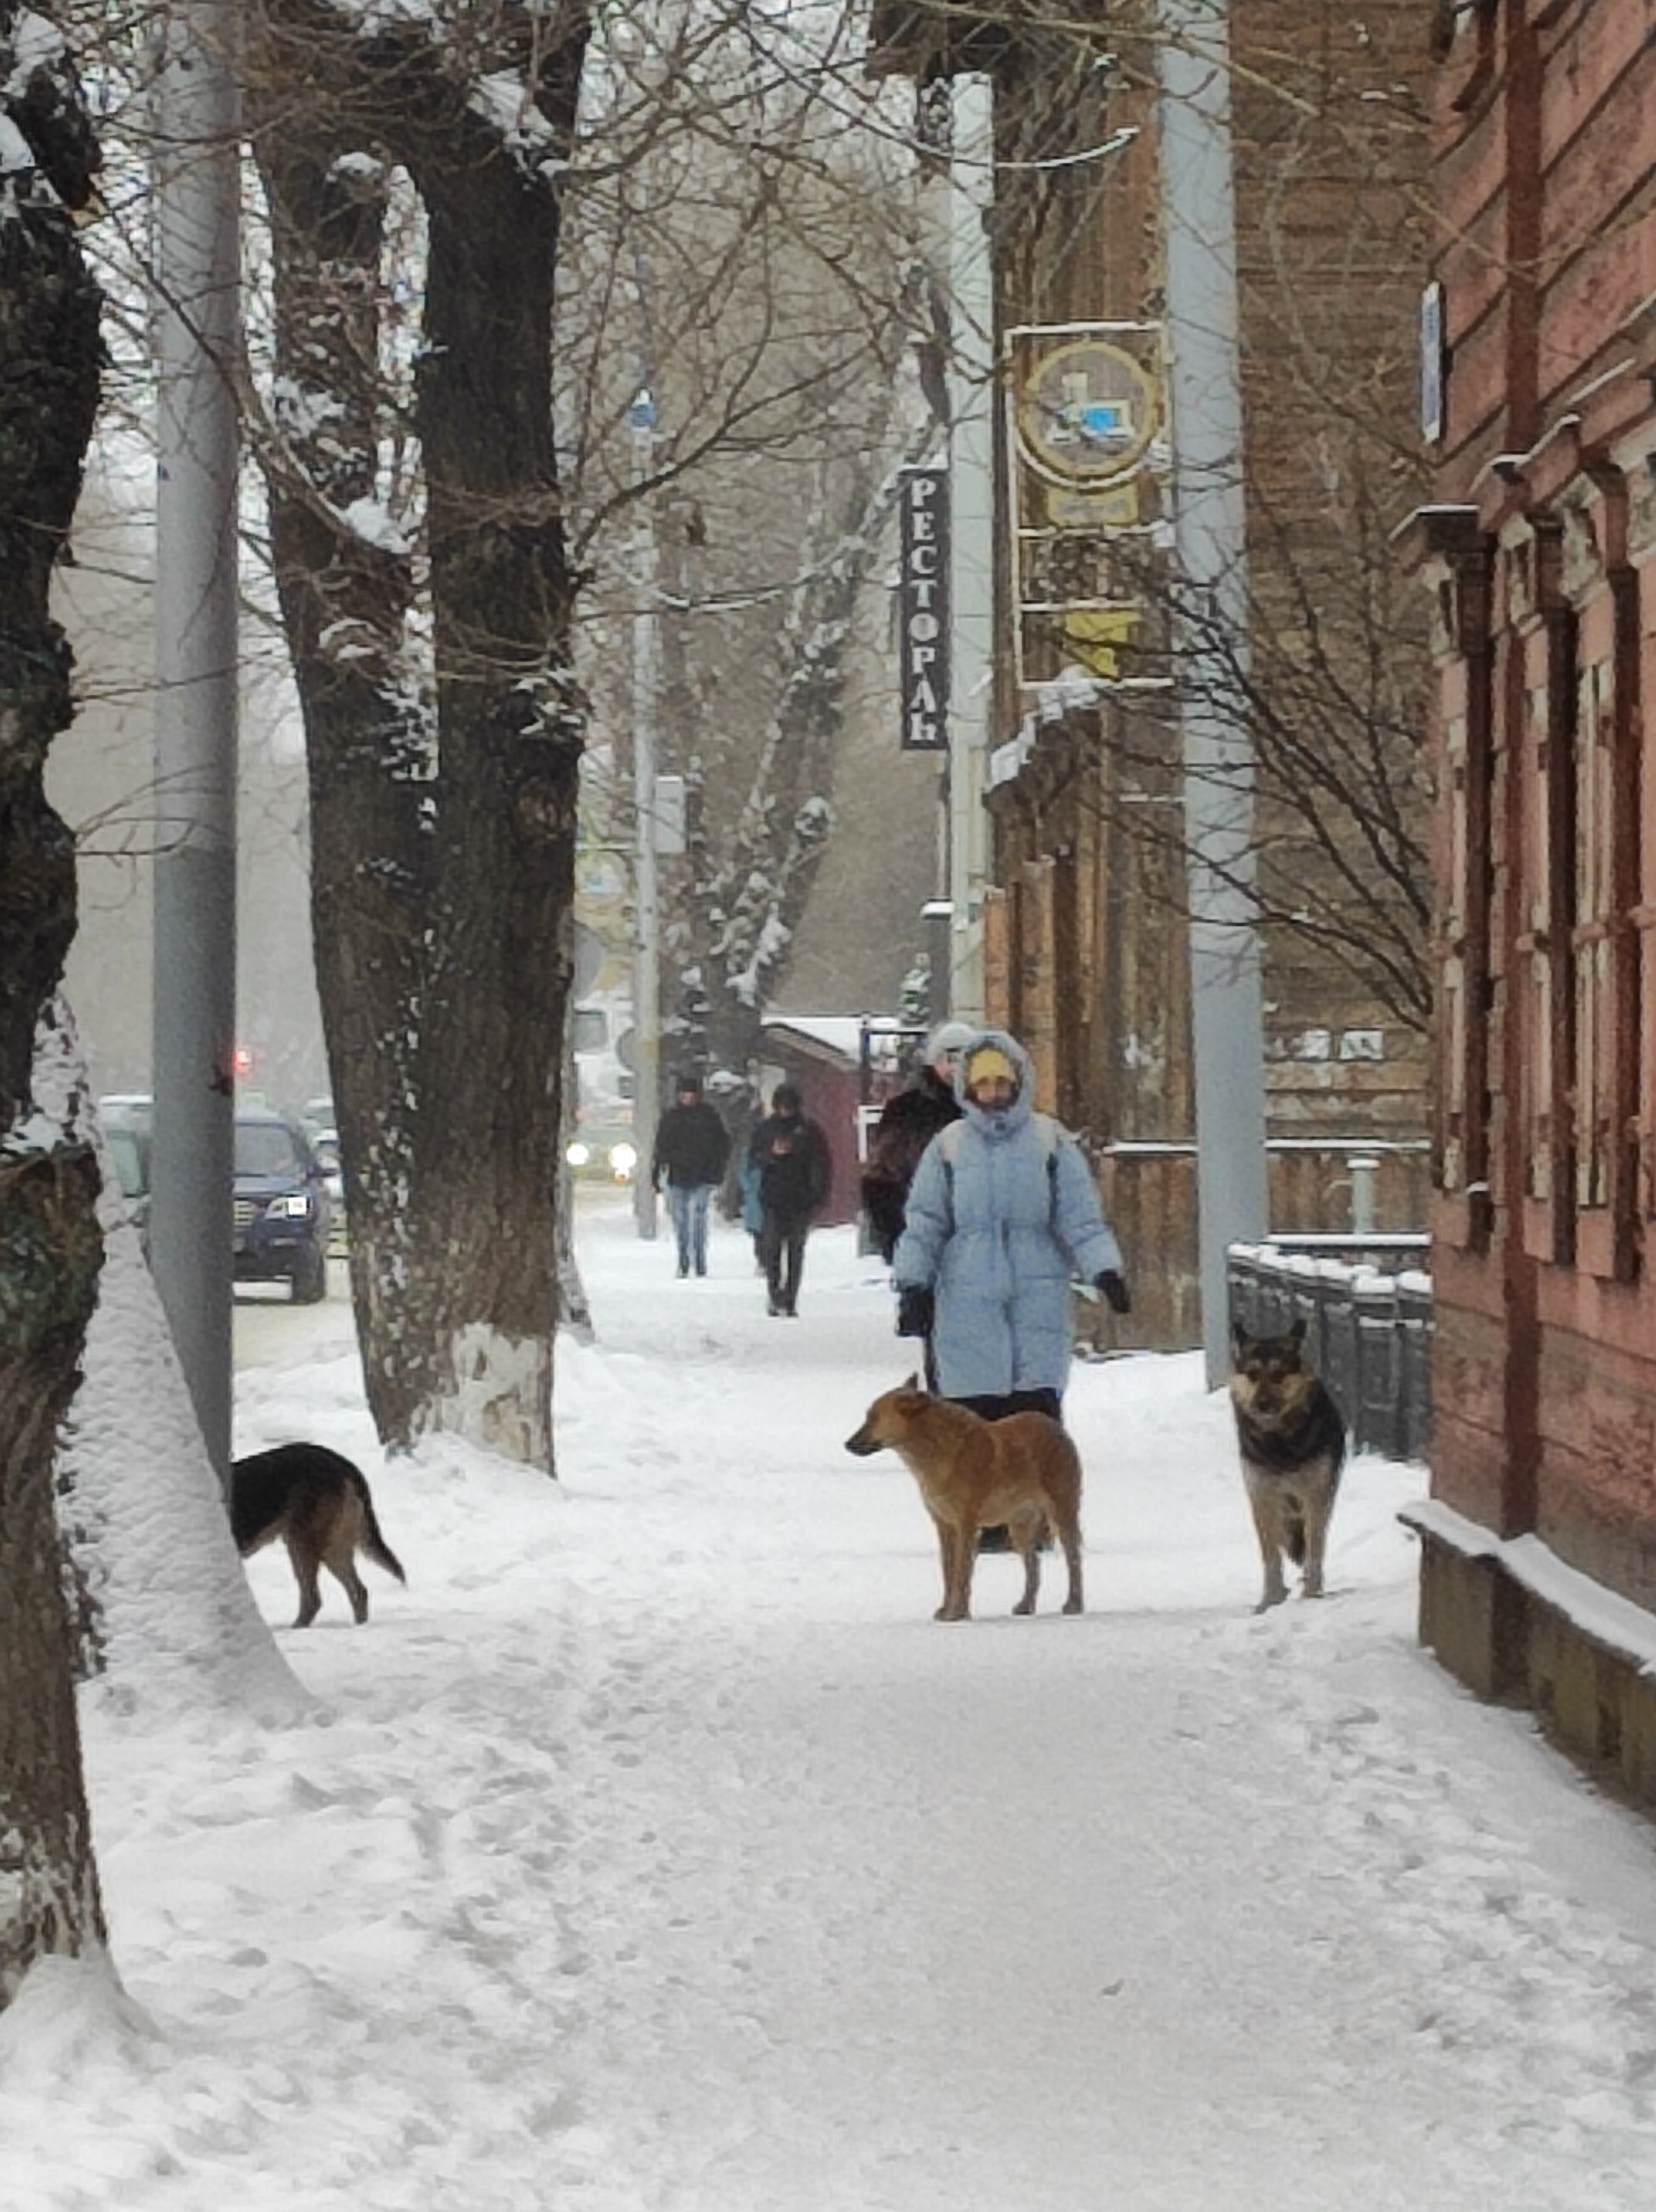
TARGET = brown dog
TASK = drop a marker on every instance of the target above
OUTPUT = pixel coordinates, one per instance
(317, 1502)
(1023, 1474)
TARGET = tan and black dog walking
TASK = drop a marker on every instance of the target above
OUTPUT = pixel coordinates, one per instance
(1292, 1437)
(318, 1503)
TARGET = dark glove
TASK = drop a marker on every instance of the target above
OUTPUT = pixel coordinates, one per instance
(1115, 1291)
(915, 1308)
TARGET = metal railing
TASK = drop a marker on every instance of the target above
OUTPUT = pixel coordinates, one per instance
(1368, 1319)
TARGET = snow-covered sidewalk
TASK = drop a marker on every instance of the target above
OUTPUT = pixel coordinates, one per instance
(656, 1851)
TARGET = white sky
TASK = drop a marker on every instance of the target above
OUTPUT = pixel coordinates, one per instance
(656, 1851)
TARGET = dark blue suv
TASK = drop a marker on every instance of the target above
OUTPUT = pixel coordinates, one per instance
(281, 1206)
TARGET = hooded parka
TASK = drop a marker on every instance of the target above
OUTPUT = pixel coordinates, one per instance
(1001, 1213)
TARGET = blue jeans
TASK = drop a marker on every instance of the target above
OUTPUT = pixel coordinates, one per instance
(687, 1204)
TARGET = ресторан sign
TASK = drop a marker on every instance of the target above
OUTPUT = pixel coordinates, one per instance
(924, 609)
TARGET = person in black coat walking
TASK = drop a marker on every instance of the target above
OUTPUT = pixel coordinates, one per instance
(906, 1126)
(791, 1156)
(691, 1146)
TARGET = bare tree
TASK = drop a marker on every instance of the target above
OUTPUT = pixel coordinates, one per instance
(1325, 678)
(427, 609)
(49, 353)
(752, 873)
(769, 294)
(474, 236)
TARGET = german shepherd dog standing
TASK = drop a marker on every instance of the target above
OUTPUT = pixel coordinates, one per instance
(1293, 1442)
(1022, 1474)
(318, 1503)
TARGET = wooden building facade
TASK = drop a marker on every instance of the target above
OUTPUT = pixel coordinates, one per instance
(1538, 549)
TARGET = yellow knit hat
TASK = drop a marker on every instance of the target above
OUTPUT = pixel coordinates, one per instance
(987, 1063)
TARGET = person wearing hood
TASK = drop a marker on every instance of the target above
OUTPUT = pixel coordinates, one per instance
(906, 1126)
(790, 1155)
(692, 1147)
(1002, 1214)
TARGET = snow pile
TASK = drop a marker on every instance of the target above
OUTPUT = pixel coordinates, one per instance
(661, 1854)
(180, 1632)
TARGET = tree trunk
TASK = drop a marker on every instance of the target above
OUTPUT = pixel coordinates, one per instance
(485, 1281)
(748, 898)
(443, 802)
(49, 351)
(346, 596)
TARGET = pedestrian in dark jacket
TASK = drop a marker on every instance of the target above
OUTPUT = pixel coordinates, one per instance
(791, 1156)
(691, 1146)
(906, 1126)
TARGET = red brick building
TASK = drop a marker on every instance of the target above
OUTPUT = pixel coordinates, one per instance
(1540, 552)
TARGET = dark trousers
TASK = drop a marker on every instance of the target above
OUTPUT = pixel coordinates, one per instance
(782, 1253)
(1016, 1401)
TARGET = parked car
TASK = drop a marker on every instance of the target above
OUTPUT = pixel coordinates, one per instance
(282, 1214)
(127, 1141)
(601, 1144)
(608, 1154)
(281, 1204)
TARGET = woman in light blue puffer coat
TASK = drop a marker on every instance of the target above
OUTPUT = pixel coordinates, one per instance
(1001, 1213)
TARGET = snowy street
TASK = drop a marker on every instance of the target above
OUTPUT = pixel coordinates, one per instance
(656, 1852)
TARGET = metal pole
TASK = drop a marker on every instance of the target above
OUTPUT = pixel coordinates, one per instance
(971, 579)
(197, 275)
(646, 973)
(1365, 1169)
(1210, 541)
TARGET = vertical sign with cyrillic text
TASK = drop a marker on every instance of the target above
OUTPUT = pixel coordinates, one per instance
(923, 597)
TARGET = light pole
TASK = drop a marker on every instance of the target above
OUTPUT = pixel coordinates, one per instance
(646, 966)
(196, 643)
(1226, 1010)
(971, 569)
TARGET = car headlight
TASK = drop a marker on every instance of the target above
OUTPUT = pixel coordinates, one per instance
(624, 1158)
(576, 1154)
(295, 1207)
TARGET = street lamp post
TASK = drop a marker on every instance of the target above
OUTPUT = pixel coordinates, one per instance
(971, 581)
(646, 972)
(197, 258)
(1227, 1009)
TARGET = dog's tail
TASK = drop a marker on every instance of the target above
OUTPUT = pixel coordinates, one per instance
(374, 1545)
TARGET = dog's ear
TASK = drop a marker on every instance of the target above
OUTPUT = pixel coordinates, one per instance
(1298, 1331)
(1239, 1337)
(912, 1383)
